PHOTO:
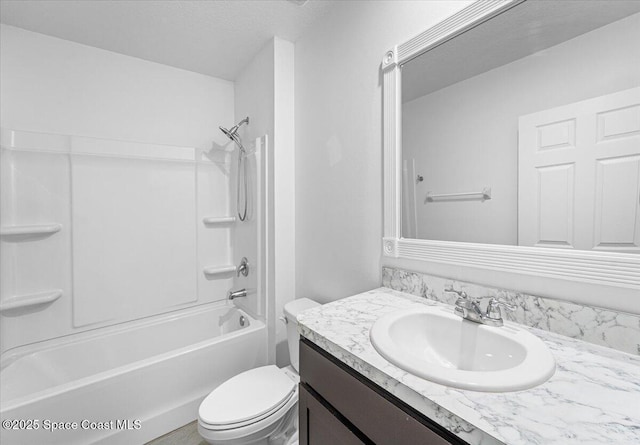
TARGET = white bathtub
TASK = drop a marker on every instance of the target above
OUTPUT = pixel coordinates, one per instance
(126, 384)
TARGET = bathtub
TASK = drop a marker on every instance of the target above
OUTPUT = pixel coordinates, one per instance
(126, 384)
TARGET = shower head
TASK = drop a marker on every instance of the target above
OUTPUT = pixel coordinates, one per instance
(232, 133)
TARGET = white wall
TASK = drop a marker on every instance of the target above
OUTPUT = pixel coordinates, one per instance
(284, 189)
(254, 97)
(465, 136)
(338, 101)
(49, 85)
(264, 92)
(56, 86)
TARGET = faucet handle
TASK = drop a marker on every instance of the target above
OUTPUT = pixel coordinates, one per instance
(243, 267)
(464, 300)
(493, 308)
(462, 294)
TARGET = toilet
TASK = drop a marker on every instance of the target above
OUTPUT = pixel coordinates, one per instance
(258, 406)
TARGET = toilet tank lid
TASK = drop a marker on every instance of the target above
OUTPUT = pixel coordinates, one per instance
(293, 308)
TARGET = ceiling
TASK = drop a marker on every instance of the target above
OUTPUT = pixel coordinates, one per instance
(213, 37)
(523, 30)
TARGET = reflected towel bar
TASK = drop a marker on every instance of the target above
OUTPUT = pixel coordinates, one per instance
(484, 195)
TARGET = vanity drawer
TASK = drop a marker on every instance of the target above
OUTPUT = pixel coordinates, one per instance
(378, 415)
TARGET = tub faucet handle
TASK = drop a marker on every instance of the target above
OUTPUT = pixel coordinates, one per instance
(243, 268)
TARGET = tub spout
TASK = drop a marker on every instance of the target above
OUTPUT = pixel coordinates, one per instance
(237, 293)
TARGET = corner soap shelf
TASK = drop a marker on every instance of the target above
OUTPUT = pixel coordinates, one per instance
(35, 229)
(216, 220)
(27, 300)
(219, 270)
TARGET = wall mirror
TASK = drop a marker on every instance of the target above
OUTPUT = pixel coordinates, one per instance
(517, 123)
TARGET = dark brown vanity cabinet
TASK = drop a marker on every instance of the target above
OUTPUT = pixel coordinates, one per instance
(339, 406)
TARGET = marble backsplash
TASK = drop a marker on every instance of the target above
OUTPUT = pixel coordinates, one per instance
(617, 330)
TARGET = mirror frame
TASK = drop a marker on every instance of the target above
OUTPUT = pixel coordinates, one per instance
(604, 279)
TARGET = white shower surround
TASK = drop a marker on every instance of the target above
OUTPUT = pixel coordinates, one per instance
(131, 239)
(156, 371)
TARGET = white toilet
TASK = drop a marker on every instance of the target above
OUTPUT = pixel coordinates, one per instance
(258, 406)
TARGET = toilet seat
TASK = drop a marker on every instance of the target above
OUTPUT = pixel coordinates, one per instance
(273, 414)
(247, 398)
(249, 434)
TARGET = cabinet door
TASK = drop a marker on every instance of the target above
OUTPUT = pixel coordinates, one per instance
(320, 426)
(374, 413)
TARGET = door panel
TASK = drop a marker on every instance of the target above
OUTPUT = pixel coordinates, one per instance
(617, 219)
(579, 175)
(555, 205)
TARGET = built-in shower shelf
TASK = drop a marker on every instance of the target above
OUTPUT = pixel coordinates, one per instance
(219, 270)
(27, 300)
(41, 229)
(213, 220)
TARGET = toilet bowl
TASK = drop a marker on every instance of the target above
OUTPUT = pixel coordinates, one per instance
(258, 406)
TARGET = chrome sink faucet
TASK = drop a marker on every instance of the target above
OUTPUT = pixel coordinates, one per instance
(469, 309)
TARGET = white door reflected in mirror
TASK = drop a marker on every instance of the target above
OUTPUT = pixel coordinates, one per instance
(579, 171)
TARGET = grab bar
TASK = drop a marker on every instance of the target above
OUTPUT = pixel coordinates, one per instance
(485, 194)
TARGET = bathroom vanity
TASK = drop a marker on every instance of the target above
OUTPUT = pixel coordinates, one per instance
(350, 394)
(340, 406)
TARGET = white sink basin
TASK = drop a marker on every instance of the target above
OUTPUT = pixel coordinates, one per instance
(437, 345)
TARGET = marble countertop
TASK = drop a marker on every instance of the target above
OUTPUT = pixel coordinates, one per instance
(593, 397)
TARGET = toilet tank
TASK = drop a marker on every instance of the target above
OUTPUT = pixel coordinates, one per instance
(291, 311)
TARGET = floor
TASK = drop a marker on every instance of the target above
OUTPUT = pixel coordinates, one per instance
(187, 435)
